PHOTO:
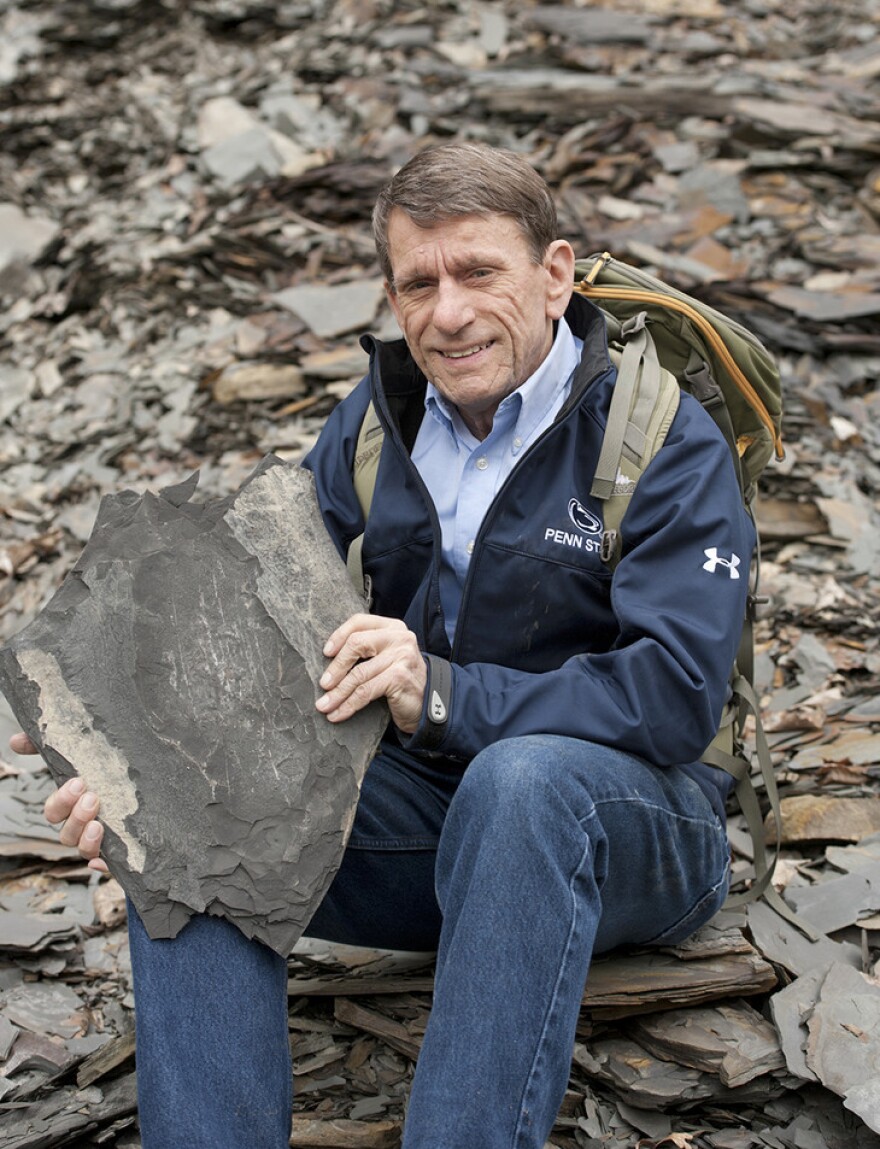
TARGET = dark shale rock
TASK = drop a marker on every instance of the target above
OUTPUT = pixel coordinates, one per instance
(175, 671)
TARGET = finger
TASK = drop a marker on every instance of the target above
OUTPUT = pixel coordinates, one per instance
(397, 673)
(358, 689)
(361, 645)
(90, 841)
(20, 744)
(356, 649)
(357, 622)
(59, 804)
(364, 656)
(340, 635)
(82, 818)
(78, 808)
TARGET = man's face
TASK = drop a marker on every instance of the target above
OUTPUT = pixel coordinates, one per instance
(476, 312)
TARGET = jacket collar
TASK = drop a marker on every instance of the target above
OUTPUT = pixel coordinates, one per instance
(398, 385)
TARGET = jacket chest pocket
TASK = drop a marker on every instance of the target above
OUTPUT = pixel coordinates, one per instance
(533, 611)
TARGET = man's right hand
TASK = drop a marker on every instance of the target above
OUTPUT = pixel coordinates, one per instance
(76, 807)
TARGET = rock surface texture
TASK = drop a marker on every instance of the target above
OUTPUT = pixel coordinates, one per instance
(175, 671)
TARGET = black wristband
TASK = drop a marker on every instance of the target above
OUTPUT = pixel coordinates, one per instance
(438, 693)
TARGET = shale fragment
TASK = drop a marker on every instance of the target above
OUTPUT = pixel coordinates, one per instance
(175, 671)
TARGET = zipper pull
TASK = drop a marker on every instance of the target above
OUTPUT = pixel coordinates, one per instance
(598, 267)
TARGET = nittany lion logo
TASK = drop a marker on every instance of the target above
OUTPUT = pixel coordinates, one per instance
(583, 519)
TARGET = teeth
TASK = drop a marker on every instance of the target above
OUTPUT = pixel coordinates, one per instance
(462, 354)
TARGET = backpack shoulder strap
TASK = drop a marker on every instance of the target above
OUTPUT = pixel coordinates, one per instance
(371, 436)
(643, 405)
(645, 400)
(366, 458)
(736, 764)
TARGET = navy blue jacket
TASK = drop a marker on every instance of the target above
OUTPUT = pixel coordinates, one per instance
(548, 640)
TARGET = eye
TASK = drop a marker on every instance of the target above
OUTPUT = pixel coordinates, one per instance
(415, 287)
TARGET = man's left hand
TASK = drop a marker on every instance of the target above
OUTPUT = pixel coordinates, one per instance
(374, 657)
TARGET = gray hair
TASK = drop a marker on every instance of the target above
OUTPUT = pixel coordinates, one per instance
(450, 180)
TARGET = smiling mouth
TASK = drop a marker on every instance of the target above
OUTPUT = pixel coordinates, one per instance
(468, 352)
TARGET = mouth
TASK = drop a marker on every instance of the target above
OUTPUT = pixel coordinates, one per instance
(466, 352)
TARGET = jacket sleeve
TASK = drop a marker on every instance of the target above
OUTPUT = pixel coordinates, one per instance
(678, 593)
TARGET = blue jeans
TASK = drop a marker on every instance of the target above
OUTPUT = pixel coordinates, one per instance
(542, 852)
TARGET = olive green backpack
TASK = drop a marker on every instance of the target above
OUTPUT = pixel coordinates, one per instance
(663, 341)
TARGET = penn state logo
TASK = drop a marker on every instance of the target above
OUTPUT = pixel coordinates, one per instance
(583, 519)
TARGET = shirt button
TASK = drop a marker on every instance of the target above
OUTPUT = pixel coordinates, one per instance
(482, 463)
(470, 547)
(517, 442)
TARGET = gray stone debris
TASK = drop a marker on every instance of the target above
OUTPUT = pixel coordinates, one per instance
(175, 671)
(23, 236)
(19, 39)
(843, 1047)
(332, 310)
(834, 904)
(303, 118)
(238, 147)
(785, 945)
(16, 385)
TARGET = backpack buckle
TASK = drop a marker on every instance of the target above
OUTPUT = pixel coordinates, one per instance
(609, 541)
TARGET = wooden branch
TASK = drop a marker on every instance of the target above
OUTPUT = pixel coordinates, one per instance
(392, 1032)
(312, 1133)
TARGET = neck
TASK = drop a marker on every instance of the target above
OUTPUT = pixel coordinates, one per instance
(480, 424)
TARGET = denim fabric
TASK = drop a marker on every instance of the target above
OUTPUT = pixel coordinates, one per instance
(213, 1063)
(542, 852)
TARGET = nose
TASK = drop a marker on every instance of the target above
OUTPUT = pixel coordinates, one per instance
(453, 309)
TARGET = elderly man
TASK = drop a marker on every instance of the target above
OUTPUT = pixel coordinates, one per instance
(539, 795)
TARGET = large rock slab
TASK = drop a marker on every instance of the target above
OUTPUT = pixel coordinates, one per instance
(843, 1047)
(175, 671)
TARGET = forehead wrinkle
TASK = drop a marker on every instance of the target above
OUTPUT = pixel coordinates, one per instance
(455, 245)
(427, 262)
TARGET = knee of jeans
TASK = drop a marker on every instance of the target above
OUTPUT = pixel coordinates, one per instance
(517, 781)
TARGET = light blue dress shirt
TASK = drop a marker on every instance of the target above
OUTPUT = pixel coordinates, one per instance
(463, 474)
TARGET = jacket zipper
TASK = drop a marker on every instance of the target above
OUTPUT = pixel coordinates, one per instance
(490, 510)
(378, 397)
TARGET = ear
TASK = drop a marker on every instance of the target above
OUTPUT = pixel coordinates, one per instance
(559, 264)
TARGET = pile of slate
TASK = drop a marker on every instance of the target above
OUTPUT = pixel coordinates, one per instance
(185, 266)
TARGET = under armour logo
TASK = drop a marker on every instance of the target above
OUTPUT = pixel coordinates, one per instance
(438, 710)
(715, 560)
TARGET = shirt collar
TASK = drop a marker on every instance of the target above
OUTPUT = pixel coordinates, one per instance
(529, 403)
